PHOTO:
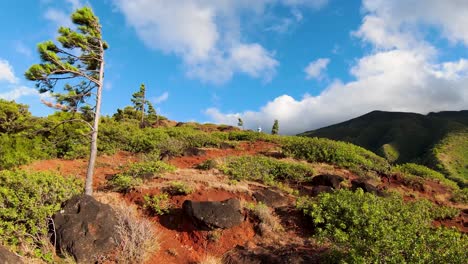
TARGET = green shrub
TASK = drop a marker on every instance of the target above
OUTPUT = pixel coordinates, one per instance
(124, 183)
(334, 152)
(158, 204)
(27, 200)
(207, 165)
(460, 196)
(148, 169)
(424, 172)
(179, 188)
(267, 170)
(172, 147)
(17, 150)
(365, 228)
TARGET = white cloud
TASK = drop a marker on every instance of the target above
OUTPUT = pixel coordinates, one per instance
(18, 92)
(159, 99)
(315, 69)
(206, 34)
(22, 49)
(6, 72)
(402, 73)
(62, 17)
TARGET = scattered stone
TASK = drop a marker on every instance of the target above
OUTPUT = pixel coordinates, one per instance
(86, 229)
(327, 180)
(270, 197)
(8, 257)
(209, 215)
(366, 187)
(316, 190)
(192, 151)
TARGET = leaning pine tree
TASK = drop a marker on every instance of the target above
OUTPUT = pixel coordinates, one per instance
(275, 128)
(79, 62)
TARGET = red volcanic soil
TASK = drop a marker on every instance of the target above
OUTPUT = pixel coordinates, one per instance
(106, 165)
(181, 241)
(244, 148)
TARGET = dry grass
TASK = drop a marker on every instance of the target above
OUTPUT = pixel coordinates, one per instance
(210, 260)
(269, 224)
(138, 238)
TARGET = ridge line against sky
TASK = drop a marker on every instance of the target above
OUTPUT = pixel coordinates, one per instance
(307, 63)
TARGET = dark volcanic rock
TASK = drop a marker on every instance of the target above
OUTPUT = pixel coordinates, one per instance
(316, 190)
(192, 151)
(86, 229)
(366, 187)
(327, 180)
(212, 215)
(271, 197)
(8, 257)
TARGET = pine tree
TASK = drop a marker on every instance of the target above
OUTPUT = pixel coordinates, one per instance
(139, 102)
(275, 128)
(240, 123)
(80, 63)
(152, 115)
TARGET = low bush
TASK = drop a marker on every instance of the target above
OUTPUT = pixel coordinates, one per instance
(412, 169)
(460, 196)
(124, 183)
(207, 165)
(268, 222)
(27, 200)
(265, 169)
(148, 169)
(364, 228)
(17, 150)
(334, 152)
(158, 204)
(179, 188)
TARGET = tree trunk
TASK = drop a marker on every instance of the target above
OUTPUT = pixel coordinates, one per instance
(143, 110)
(94, 134)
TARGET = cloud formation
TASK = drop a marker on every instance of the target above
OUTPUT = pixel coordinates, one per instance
(402, 73)
(206, 34)
(9, 88)
(315, 69)
(159, 99)
(6, 72)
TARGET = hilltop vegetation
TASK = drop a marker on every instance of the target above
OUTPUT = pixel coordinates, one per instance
(341, 219)
(438, 140)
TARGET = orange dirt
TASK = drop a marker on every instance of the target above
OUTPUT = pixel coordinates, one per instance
(181, 241)
(244, 148)
(105, 165)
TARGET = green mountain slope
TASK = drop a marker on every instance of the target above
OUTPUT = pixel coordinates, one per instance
(439, 140)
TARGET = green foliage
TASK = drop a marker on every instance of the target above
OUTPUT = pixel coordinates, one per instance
(179, 188)
(264, 169)
(460, 196)
(240, 123)
(389, 152)
(334, 152)
(275, 128)
(17, 150)
(207, 165)
(451, 156)
(412, 169)
(124, 183)
(14, 117)
(27, 199)
(158, 204)
(365, 228)
(148, 169)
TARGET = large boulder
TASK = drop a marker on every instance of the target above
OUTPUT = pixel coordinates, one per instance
(270, 197)
(366, 187)
(316, 190)
(211, 215)
(327, 180)
(8, 257)
(86, 229)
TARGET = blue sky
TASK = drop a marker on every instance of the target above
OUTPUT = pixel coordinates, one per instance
(308, 63)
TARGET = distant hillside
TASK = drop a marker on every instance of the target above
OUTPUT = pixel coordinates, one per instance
(439, 140)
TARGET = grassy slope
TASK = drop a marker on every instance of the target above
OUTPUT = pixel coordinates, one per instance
(409, 137)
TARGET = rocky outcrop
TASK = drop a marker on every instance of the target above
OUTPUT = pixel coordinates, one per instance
(86, 229)
(327, 180)
(270, 197)
(211, 215)
(316, 190)
(8, 257)
(366, 187)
